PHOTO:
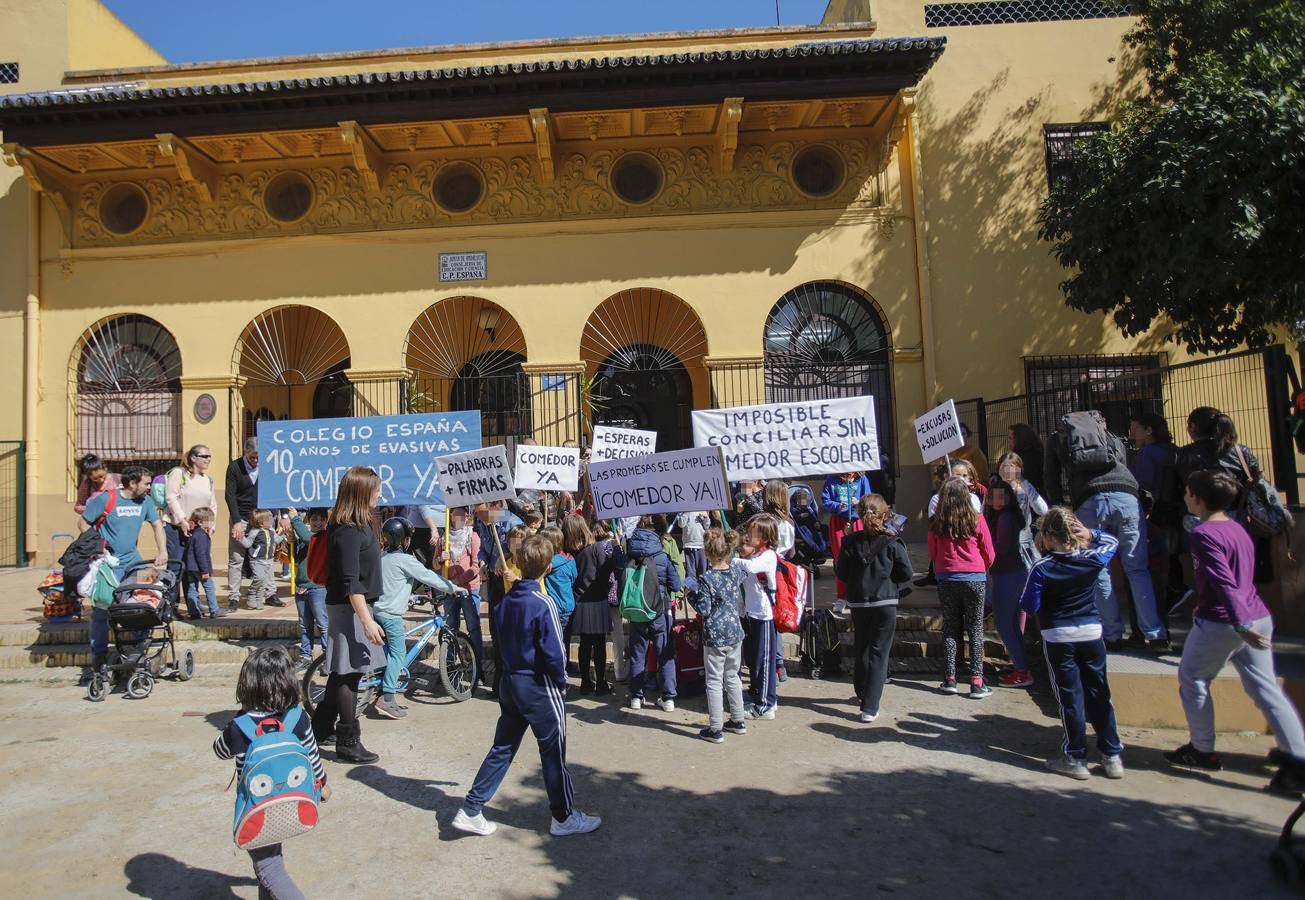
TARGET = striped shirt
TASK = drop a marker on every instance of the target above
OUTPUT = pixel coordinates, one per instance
(231, 743)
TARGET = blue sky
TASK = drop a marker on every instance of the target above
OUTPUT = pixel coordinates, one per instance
(191, 31)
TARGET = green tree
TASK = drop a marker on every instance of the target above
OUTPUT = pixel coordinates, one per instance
(1192, 207)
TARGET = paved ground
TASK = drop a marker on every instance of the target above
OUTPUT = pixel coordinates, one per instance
(943, 797)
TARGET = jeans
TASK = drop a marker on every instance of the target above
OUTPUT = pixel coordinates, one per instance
(99, 631)
(493, 594)
(269, 868)
(526, 701)
(1117, 513)
(467, 606)
(175, 542)
(194, 583)
(311, 605)
(1209, 647)
(722, 671)
(1004, 590)
(657, 633)
(759, 637)
(396, 648)
(873, 630)
(1078, 674)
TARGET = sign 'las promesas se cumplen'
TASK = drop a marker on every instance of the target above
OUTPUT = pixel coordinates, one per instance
(477, 476)
(938, 432)
(788, 440)
(676, 481)
(303, 460)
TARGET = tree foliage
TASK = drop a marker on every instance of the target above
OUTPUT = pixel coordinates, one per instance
(1192, 207)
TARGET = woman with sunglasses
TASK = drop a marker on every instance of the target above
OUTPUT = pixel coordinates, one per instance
(187, 487)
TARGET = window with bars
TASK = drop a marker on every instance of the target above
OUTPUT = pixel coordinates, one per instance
(1063, 143)
(1010, 12)
(1118, 386)
(8, 73)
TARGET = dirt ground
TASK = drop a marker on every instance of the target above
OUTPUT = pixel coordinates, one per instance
(944, 796)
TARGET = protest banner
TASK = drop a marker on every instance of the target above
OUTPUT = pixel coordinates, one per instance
(938, 432)
(676, 481)
(303, 460)
(789, 440)
(477, 476)
(547, 468)
(621, 443)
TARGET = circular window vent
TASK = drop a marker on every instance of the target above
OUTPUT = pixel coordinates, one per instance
(818, 171)
(459, 188)
(288, 197)
(123, 208)
(637, 178)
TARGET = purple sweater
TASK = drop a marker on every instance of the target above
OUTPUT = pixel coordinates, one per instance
(1224, 561)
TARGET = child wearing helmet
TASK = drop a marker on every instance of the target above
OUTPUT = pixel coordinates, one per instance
(400, 569)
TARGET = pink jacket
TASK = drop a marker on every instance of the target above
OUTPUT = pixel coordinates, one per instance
(974, 554)
(464, 571)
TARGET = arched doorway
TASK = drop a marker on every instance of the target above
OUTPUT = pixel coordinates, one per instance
(467, 353)
(125, 388)
(825, 340)
(292, 361)
(643, 351)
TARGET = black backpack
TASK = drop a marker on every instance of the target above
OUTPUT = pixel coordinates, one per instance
(1090, 449)
(76, 560)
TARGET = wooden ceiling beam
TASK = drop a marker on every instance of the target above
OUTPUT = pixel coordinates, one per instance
(727, 131)
(542, 125)
(368, 157)
(197, 171)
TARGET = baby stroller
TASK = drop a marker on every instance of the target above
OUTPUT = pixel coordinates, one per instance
(811, 545)
(142, 634)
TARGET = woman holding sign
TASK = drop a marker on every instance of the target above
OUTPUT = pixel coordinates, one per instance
(354, 639)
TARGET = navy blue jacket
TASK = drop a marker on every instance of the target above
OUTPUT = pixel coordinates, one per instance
(645, 544)
(530, 633)
(1062, 591)
(197, 558)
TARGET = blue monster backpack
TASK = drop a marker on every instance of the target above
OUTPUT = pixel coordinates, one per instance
(277, 797)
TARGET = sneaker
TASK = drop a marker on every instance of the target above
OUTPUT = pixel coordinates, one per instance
(586, 687)
(476, 824)
(1116, 646)
(757, 712)
(979, 690)
(1112, 766)
(1289, 781)
(1068, 765)
(388, 708)
(275, 601)
(867, 718)
(576, 823)
(222, 613)
(1016, 679)
(1159, 645)
(303, 663)
(781, 674)
(666, 704)
(1187, 755)
(636, 703)
(602, 688)
(948, 686)
(711, 734)
(736, 727)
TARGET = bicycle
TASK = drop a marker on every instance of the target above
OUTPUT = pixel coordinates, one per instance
(456, 662)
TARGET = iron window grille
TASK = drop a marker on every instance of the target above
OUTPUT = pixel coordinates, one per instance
(1064, 148)
(1011, 12)
(8, 73)
(1118, 386)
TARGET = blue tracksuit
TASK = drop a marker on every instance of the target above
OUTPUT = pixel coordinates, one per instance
(531, 695)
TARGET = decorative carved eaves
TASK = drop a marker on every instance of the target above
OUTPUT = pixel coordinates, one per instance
(901, 115)
(727, 132)
(368, 158)
(45, 177)
(540, 122)
(195, 169)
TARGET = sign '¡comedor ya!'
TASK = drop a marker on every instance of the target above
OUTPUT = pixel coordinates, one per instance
(303, 460)
(676, 481)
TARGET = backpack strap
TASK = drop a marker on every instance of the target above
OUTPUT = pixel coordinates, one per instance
(1241, 458)
(109, 505)
(245, 723)
(291, 718)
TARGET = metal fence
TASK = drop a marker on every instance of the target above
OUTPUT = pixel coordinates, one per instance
(1254, 387)
(13, 511)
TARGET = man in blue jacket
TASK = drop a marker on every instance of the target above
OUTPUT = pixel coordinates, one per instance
(532, 694)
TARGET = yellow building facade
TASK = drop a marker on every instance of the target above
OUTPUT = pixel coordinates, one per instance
(614, 229)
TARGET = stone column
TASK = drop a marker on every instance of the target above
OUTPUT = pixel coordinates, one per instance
(555, 401)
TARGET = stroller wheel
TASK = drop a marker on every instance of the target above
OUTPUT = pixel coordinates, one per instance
(816, 672)
(1286, 868)
(140, 685)
(186, 666)
(96, 689)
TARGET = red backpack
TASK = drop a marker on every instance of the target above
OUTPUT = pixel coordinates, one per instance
(790, 597)
(319, 568)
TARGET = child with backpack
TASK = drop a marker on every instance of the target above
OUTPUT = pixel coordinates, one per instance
(531, 695)
(758, 559)
(561, 577)
(873, 562)
(280, 782)
(596, 563)
(261, 543)
(310, 597)
(1061, 591)
(960, 548)
(400, 570)
(649, 580)
(716, 598)
(197, 566)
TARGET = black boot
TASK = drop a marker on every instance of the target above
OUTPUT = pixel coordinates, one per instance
(348, 745)
(97, 664)
(323, 726)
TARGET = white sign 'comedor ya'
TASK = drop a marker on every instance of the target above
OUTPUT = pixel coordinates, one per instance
(547, 468)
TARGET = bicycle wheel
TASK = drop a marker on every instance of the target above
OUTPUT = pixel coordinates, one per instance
(314, 686)
(457, 665)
